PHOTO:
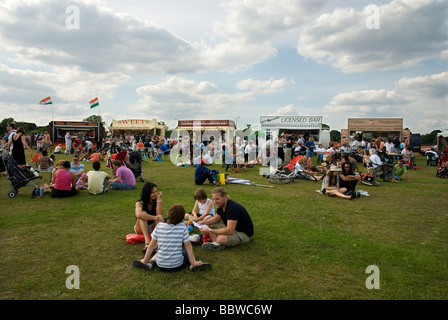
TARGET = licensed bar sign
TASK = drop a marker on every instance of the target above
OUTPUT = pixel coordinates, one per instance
(291, 122)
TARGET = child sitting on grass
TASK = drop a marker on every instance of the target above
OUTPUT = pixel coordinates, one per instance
(203, 208)
(168, 239)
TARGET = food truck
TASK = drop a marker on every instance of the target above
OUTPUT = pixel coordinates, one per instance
(93, 131)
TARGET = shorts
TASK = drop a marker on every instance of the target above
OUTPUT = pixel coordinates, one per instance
(150, 227)
(236, 238)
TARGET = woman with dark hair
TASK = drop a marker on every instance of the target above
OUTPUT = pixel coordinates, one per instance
(348, 180)
(18, 141)
(148, 211)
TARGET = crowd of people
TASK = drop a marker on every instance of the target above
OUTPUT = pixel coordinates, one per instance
(222, 222)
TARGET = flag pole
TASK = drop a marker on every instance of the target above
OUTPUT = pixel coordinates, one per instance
(52, 120)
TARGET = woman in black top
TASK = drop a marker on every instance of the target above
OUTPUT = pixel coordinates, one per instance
(148, 211)
(18, 141)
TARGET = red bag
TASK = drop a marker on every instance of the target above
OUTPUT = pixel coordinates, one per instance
(134, 238)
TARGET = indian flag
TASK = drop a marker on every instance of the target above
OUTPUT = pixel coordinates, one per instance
(94, 103)
(47, 100)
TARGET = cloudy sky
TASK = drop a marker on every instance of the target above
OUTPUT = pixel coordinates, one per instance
(225, 59)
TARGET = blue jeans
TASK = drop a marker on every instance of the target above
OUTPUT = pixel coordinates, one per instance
(121, 186)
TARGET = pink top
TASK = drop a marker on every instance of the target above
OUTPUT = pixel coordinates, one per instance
(63, 180)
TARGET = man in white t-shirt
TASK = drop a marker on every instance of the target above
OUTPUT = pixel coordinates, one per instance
(68, 143)
(97, 180)
(11, 132)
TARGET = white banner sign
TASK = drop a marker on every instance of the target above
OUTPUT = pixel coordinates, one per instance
(291, 122)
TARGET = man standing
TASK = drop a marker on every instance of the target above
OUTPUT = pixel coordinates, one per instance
(231, 225)
(310, 148)
(10, 126)
(288, 149)
(68, 142)
(124, 178)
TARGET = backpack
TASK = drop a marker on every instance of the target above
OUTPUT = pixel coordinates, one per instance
(367, 177)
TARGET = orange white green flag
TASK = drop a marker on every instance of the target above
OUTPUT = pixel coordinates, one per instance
(94, 103)
(47, 100)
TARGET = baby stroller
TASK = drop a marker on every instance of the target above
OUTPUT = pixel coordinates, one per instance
(19, 177)
(135, 164)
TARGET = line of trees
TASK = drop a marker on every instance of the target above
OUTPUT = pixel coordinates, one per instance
(28, 126)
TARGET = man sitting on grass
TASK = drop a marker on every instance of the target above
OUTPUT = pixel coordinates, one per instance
(231, 225)
(124, 178)
(98, 180)
(401, 169)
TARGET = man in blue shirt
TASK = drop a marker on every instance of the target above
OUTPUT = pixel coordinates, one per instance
(309, 145)
(231, 225)
(203, 173)
(76, 167)
(163, 148)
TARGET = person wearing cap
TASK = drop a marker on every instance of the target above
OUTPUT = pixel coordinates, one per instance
(203, 173)
(330, 184)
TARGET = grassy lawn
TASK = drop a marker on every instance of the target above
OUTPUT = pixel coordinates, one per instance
(306, 245)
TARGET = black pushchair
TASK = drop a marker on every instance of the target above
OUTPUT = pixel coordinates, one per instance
(19, 177)
(135, 164)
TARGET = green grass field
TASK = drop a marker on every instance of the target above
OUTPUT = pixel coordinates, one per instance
(306, 245)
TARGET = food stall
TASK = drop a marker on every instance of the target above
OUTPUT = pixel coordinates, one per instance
(93, 131)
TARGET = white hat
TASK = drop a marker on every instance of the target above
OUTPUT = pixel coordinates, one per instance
(335, 168)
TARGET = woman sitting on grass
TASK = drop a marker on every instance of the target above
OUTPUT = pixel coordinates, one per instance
(330, 184)
(168, 238)
(148, 211)
(65, 182)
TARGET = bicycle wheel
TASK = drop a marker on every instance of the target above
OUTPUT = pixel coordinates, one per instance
(307, 176)
(279, 180)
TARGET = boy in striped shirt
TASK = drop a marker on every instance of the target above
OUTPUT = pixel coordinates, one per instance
(168, 237)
